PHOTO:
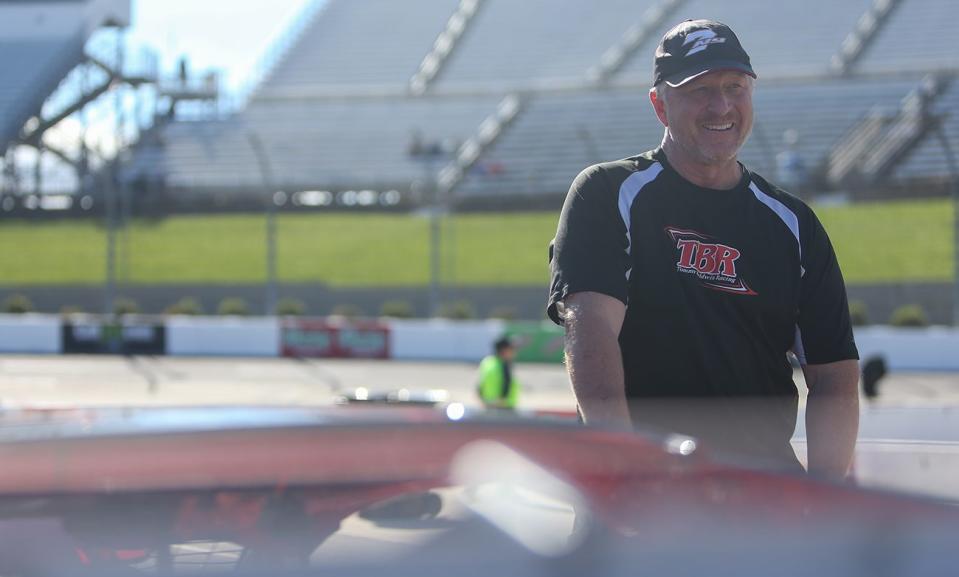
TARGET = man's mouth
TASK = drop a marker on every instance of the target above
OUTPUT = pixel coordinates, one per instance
(719, 127)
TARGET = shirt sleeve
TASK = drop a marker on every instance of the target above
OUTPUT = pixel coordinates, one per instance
(589, 252)
(824, 332)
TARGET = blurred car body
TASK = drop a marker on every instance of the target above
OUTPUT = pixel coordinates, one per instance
(361, 490)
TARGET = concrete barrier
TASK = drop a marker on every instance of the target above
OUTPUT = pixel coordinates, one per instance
(30, 334)
(443, 340)
(223, 336)
(919, 349)
(925, 349)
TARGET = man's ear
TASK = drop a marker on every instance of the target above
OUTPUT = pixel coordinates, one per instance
(659, 105)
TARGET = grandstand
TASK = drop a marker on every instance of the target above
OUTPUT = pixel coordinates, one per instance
(493, 100)
(918, 36)
(42, 42)
(930, 160)
(536, 43)
(372, 46)
(561, 133)
(784, 39)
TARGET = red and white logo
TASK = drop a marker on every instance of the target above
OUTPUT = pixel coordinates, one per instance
(714, 264)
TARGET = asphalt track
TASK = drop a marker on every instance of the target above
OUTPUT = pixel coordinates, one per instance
(41, 381)
(909, 436)
(114, 380)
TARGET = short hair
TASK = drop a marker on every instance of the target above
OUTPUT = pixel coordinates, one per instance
(502, 343)
(660, 91)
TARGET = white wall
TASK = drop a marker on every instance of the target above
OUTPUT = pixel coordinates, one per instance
(219, 336)
(927, 349)
(443, 340)
(31, 334)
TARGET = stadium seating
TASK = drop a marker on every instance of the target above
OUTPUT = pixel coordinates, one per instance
(560, 134)
(369, 46)
(537, 42)
(929, 160)
(919, 35)
(782, 38)
(337, 112)
(330, 144)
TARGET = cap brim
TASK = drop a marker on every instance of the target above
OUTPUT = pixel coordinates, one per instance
(677, 80)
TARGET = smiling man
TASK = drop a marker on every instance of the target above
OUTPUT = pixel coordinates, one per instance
(684, 279)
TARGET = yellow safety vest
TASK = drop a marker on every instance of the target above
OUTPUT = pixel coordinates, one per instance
(492, 385)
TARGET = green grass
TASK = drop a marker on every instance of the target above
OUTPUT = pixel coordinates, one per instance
(882, 242)
(57, 253)
(892, 241)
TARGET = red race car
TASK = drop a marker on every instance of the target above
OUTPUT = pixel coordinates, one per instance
(425, 491)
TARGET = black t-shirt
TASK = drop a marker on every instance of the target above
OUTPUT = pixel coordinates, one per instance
(719, 286)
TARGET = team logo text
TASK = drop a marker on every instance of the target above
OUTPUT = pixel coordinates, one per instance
(701, 40)
(714, 264)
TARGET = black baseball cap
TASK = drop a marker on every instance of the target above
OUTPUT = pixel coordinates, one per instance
(695, 47)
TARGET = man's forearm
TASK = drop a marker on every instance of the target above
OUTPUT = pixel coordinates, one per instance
(832, 420)
(595, 367)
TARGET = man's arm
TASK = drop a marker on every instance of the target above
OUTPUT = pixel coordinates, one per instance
(593, 359)
(832, 417)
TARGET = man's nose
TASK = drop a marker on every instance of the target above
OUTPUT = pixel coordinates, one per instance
(719, 103)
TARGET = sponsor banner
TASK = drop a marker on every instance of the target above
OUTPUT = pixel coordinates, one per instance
(536, 342)
(128, 336)
(316, 338)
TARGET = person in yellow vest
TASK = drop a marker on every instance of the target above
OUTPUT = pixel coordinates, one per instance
(498, 387)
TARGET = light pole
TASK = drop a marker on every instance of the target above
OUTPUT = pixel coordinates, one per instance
(436, 209)
(266, 174)
(954, 190)
(110, 195)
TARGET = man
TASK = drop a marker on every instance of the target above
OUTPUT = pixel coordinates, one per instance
(498, 387)
(683, 279)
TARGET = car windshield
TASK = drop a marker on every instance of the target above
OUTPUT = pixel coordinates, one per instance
(441, 286)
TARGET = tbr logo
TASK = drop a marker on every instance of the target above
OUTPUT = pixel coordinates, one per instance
(713, 264)
(701, 40)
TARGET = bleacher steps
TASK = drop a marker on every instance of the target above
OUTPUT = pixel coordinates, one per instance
(444, 46)
(617, 55)
(859, 38)
(872, 149)
(486, 134)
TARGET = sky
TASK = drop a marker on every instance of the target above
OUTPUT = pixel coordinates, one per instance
(231, 35)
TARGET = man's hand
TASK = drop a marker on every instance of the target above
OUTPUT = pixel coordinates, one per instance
(593, 359)
(832, 417)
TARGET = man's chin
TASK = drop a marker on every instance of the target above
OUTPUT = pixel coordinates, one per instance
(710, 155)
(718, 158)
